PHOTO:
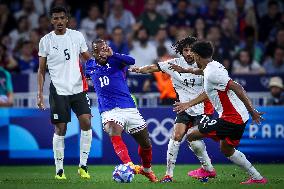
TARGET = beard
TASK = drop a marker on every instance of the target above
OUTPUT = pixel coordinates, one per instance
(143, 42)
(189, 60)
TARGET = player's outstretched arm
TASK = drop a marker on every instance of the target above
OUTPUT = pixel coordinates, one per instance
(180, 107)
(40, 81)
(145, 69)
(180, 69)
(125, 59)
(240, 92)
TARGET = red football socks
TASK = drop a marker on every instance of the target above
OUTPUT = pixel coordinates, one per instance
(146, 156)
(120, 149)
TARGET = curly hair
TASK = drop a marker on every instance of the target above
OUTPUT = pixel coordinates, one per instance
(183, 43)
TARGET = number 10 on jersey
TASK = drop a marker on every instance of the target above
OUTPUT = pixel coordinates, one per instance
(104, 81)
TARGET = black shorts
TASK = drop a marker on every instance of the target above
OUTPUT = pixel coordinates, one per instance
(189, 120)
(219, 129)
(61, 105)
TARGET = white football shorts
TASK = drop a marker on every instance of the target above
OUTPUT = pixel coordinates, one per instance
(129, 119)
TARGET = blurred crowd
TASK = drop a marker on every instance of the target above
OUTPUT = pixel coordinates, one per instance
(248, 34)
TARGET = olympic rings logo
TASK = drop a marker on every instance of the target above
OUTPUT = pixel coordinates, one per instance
(160, 129)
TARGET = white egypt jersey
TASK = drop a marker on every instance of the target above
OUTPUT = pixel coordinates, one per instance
(188, 86)
(229, 107)
(62, 53)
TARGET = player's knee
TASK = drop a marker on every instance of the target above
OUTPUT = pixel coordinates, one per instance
(60, 131)
(85, 123)
(114, 132)
(146, 145)
(178, 136)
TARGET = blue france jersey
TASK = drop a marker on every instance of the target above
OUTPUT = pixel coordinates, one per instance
(109, 82)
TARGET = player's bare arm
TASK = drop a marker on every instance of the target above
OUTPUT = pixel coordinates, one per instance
(86, 55)
(180, 69)
(145, 69)
(180, 107)
(40, 82)
(240, 92)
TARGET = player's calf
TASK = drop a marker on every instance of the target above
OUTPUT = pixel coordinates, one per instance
(120, 149)
(146, 156)
(178, 137)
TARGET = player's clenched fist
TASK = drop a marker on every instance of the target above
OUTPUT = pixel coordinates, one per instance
(181, 107)
(257, 116)
(134, 69)
(40, 102)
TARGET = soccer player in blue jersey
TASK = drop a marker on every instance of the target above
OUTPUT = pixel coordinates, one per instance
(116, 106)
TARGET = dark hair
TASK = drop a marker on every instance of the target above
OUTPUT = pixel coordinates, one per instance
(93, 5)
(248, 52)
(117, 28)
(279, 47)
(4, 51)
(141, 28)
(203, 48)
(161, 50)
(25, 42)
(272, 2)
(214, 26)
(249, 31)
(43, 16)
(3, 46)
(97, 41)
(58, 9)
(181, 44)
(101, 26)
(183, 1)
(280, 28)
(22, 18)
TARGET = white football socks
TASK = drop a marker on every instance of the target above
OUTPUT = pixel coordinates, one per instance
(58, 150)
(199, 149)
(240, 159)
(172, 152)
(85, 145)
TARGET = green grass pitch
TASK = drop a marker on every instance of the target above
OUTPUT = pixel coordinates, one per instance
(40, 177)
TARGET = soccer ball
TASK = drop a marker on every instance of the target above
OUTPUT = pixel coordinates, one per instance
(123, 173)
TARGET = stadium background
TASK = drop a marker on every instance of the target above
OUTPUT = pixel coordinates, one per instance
(234, 26)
